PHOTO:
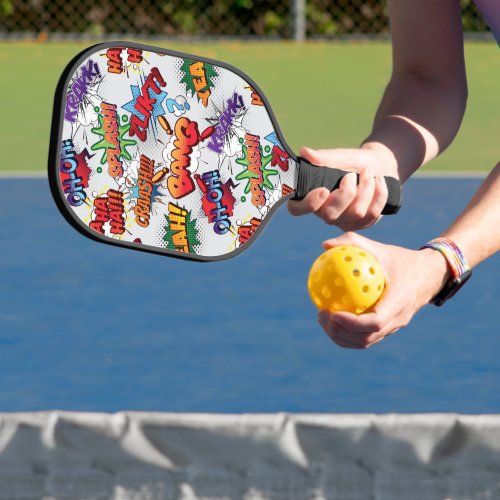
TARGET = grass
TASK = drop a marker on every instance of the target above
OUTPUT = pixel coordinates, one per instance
(323, 94)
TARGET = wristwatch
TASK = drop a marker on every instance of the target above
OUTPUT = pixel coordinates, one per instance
(460, 270)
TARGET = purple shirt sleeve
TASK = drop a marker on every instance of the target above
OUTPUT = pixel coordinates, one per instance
(490, 9)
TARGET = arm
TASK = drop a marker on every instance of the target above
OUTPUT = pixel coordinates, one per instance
(477, 230)
(424, 103)
(415, 277)
(419, 114)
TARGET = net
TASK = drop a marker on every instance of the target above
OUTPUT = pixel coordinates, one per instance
(159, 456)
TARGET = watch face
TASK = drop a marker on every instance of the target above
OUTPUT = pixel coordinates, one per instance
(451, 288)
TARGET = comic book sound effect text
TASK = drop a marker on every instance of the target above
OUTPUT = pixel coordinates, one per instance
(218, 201)
(115, 60)
(110, 209)
(187, 136)
(234, 105)
(181, 233)
(198, 78)
(145, 184)
(79, 88)
(113, 151)
(144, 104)
(246, 231)
(73, 184)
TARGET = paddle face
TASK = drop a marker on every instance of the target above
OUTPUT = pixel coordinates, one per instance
(165, 152)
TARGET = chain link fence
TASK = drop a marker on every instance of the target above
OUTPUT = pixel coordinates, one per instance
(284, 19)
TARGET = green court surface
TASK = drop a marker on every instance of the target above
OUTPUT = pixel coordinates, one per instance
(323, 94)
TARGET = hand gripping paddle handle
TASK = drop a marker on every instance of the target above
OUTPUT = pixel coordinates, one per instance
(311, 177)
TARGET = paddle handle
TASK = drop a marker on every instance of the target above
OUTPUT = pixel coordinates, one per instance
(311, 177)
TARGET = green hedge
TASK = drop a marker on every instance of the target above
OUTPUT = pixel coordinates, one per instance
(264, 18)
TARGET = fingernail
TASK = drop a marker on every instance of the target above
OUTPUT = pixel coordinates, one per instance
(324, 194)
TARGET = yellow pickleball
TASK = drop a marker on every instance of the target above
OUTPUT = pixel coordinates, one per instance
(346, 278)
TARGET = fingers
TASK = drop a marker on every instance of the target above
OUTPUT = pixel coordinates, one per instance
(365, 330)
(315, 199)
(339, 337)
(337, 201)
(380, 196)
(364, 209)
(352, 238)
(355, 332)
(406, 276)
(338, 158)
(364, 195)
(310, 204)
(348, 206)
(368, 323)
(357, 203)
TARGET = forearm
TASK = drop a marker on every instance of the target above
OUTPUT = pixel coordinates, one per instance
(424, 103)
(416, 120)
(477, 230)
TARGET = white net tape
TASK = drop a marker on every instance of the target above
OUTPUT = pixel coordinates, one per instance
(160, 456)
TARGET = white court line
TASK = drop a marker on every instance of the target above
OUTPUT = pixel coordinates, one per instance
(454, 174)
(10, 174)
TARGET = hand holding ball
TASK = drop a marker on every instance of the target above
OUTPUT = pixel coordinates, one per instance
(346, 278)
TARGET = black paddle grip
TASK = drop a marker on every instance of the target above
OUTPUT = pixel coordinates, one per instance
(311, 177)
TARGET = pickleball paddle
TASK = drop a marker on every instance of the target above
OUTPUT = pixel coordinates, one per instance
(172, 153)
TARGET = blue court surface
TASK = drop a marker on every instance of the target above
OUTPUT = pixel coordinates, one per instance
(92, 327)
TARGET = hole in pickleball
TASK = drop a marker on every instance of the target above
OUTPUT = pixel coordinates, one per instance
(327, 293)
(317, 301)
(317, 276)
(363, 254)
(356, 273)
(346, 299)
(359, 309)
(372, 270)
(348, 258)
(379, 288)
(339, 281)
(366, 289)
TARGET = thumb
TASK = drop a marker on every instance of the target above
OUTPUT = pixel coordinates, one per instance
(347, 158)
(349, 238)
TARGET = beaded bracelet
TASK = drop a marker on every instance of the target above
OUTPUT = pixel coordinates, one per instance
(460, 269)
(452, 254)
